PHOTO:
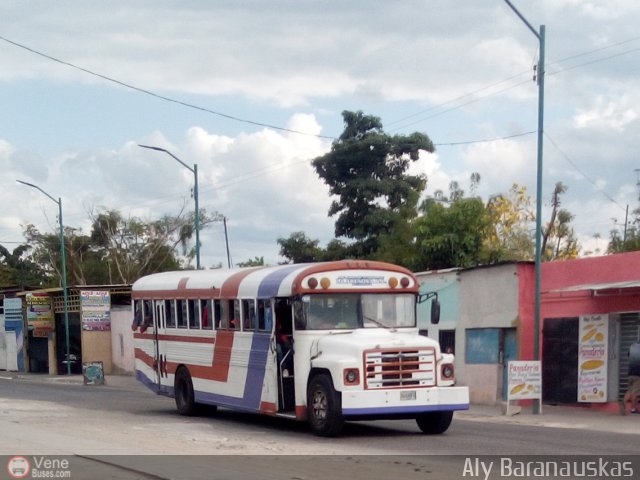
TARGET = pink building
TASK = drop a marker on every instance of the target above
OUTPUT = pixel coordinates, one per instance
(590, 315)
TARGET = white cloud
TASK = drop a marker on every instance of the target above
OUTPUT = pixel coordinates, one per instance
(613, 114)
(465, 65)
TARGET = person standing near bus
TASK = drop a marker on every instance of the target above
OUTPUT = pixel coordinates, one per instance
(632, 395)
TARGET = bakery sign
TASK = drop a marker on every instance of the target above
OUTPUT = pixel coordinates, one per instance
(593, 342)
(524, 380)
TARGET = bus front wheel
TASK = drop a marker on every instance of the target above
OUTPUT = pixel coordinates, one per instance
(434, 422)
(324, 409)
(183, 388)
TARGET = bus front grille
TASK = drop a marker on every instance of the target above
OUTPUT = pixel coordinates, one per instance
(399, 368)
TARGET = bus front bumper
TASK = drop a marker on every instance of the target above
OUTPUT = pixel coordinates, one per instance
(392, 403)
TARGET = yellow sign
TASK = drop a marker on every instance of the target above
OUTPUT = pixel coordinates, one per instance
(39, 312)
(592, 358)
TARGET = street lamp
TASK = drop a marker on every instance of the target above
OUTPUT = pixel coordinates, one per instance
(540, 78)
(64, 273)
(193, 170)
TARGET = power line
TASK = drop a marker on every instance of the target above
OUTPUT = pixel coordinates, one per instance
(522, 134)
(453, 100)
(586, 177)
(275, 127)
(597, 60)
(162, 97)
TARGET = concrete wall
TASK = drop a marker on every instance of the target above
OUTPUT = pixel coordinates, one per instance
(122, 340)
(484, 297)
(447, 285)
(96, 347)
(489, 298)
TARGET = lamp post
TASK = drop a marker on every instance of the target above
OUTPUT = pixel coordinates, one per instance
(193, 170)
(540, 78)
(64, 273)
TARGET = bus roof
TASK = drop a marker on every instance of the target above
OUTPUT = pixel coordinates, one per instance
(278, 281)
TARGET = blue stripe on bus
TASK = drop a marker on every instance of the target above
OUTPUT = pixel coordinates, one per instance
(252, 394)
(270, 284)
(382, 411)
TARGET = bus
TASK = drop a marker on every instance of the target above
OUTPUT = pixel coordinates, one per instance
(320, 342)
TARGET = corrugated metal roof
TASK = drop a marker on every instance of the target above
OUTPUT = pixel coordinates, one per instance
(596, 287)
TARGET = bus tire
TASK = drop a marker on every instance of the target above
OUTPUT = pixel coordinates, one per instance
(183, 391)
(434, 422)
(324, 407)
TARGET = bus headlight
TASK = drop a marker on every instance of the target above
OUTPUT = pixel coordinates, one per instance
(447, 372)
(351, 376)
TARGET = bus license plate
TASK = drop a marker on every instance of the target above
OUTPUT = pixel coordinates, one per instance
(408, 395)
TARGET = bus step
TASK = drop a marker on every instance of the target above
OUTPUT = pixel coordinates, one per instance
(290, 414)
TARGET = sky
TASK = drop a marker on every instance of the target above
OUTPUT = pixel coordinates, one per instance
(252, 91)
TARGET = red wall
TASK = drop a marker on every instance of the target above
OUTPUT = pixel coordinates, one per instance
(562, 274)
(611, 268)
(526, 287)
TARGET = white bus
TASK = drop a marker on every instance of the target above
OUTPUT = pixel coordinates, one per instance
(322, 342)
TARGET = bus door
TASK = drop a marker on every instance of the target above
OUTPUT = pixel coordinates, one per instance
(284, 354)
(159, 360)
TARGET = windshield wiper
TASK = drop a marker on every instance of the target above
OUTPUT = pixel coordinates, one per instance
(377, 322)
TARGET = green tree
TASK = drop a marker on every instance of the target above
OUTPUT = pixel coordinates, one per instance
(451, 236)
(78, 252)
(627, 239)
(118, 250)
(558, 238)
(253, 262)
(131, 247)
(298, 248)
(366, 170)
(511, 235)
(17, 269)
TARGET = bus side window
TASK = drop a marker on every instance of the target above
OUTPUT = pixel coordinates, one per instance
(137, 314)
(159, 304)
(148, 313)
(265, 316)
(181, 313)
(170, 313)
(234, 314)
(217, 313)
(194, 314)
(207, 314)
(249, 314)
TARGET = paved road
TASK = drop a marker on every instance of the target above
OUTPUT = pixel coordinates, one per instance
(99, 427)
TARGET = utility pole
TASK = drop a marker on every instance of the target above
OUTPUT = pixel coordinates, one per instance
(63, 271)
(538, 261)
(193, 170)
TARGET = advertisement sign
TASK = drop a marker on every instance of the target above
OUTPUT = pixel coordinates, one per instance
(525, 380)
(39, 313)
(593, 340)
(93, 373)
(95, 310)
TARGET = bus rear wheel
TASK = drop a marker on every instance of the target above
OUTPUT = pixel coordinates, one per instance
(183, 388)
(434, 422)
(324, 409)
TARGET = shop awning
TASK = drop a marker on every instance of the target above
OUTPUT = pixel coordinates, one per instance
(598, 287)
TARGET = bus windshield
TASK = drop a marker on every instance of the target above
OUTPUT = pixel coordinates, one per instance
(349, 311)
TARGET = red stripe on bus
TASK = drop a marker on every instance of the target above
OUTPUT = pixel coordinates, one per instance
(231, 285)
(322, 267)
(301, 412)
(182, 284)
(144, 356)
(221, 357)
(268, 408)
(171, 293)
(175, 338)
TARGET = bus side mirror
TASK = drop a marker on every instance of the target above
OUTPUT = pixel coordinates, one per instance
(435, 311)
